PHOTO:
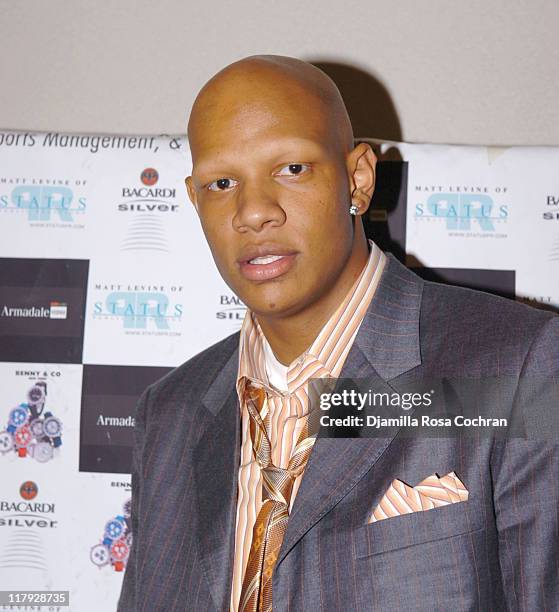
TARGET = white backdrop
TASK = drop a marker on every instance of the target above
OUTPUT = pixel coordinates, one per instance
(473, 72)
(106, 283)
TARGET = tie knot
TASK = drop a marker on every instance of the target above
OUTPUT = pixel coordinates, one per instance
(277, 482)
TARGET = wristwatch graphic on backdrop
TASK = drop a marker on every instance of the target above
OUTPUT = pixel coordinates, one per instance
(31, 432)
(114, 547)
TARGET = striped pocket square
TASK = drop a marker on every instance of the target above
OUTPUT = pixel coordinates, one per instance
(429, 493)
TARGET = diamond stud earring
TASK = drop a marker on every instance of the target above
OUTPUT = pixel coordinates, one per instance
(353, 209)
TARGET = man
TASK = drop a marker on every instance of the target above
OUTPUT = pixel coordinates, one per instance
(236, 506)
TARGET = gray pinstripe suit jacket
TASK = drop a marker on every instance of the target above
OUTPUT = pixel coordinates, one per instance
(497, 551)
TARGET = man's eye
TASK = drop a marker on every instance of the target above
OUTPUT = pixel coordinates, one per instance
(293, 169)
(222, 184)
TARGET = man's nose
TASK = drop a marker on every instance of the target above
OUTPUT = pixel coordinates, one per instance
(257, 208)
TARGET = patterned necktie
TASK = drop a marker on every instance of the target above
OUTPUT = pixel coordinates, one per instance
(271, 522)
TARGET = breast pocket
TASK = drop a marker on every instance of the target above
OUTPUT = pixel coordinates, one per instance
(417, 528)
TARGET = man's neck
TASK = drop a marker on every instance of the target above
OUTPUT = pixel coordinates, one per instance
(291, 336)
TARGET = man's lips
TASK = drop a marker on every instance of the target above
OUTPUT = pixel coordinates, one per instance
(266, 267)
(265, 249)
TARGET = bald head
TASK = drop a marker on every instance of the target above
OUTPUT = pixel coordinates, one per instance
(274, 87)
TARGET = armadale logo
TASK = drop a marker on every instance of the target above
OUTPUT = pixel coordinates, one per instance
(42, 309)
(156, 309)
(115, 421)
(44, 204)
(25, 512)
(57, 310)
(24, 313)
(108, 408)
(464, 211)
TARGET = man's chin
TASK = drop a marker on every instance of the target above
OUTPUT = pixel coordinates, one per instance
(272, 306)
(274, 299)
(270, 309)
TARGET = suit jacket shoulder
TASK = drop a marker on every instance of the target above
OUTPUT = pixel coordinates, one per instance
(464, 330)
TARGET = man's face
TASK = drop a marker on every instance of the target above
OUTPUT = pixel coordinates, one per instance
(271, 188)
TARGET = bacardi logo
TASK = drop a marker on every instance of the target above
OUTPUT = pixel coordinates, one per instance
(28, 490)
(149, 176)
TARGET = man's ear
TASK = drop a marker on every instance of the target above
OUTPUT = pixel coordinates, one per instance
(191, 191)
(361, 165)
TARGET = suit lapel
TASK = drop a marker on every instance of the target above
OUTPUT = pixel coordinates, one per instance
(386, 346)
(216, 464)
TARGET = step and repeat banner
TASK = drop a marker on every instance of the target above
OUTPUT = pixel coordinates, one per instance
(106, 283)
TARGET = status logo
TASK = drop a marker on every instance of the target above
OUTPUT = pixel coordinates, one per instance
(140, 309)
(44, 203)
(463, 211)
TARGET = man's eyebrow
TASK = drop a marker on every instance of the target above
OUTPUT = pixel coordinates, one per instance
(280, 147)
